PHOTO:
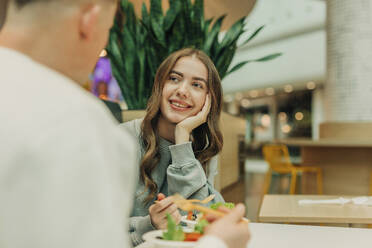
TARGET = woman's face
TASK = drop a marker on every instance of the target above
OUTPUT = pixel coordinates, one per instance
(185, 90)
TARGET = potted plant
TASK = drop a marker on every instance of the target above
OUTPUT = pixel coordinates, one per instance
(137, 46)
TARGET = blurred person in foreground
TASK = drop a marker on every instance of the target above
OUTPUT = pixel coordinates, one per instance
(3, 7)
(67, 174)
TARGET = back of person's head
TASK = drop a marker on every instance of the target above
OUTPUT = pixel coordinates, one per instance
(21, 3)
(3, 8)
(65, 35)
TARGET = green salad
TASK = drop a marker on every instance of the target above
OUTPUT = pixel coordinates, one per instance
(216, 205)
(174, 231)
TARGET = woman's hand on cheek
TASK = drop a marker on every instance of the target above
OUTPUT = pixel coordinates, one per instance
(185, 127)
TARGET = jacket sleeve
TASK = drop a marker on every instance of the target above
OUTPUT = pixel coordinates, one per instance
(186, 176)
(139, 225)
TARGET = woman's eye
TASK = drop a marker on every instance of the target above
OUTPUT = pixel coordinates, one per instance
(174, 79)
(199, 85)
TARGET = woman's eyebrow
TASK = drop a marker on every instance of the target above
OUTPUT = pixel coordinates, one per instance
(200, 79)
(178, 73)
(194, 78)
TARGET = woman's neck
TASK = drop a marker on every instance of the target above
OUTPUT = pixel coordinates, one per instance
(166, 129)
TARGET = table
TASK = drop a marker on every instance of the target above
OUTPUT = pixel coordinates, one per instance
(285, 208)
(293, 236)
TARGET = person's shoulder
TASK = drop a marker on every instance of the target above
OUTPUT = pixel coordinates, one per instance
(133, 126)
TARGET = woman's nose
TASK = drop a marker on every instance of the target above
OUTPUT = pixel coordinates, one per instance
(183, 89)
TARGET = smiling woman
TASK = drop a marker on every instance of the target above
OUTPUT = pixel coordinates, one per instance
(179, 137)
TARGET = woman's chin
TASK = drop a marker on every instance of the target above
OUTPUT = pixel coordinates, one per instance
(175, 119)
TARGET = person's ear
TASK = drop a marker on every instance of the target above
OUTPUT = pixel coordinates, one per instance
(89, 19)
(3, 10)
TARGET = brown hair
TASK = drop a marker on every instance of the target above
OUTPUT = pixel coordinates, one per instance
(206, 139)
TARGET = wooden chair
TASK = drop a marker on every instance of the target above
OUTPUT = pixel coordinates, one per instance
(370, 185)
(277, 156)
(370, 193)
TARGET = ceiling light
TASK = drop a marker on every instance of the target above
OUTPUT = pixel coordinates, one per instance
(299, 116)
(270, 91)
(245, 103)
(288, 88)
(228, 98)
(253, 93)
(238, 96)
(311, 85)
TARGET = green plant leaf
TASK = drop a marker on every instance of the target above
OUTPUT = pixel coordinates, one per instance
(263, 59)
(253, 35)
(196, 17)
(186, 15)
(232, 34)
(159, 32)
(137, 46)
(212, 36)
(199, 7)
(237, 67)
(145, 16)
(172, 13)
(223, 61)
(156, 11)
(268, 57)
(131, 19)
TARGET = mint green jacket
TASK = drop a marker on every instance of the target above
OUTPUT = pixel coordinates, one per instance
(177, 172)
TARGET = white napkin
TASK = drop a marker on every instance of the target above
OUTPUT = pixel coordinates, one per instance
(362, 200)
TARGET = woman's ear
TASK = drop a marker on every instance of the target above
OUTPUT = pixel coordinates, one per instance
(88, 21)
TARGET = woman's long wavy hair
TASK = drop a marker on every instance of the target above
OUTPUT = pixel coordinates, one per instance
(207, 139)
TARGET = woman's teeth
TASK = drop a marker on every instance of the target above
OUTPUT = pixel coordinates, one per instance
(179, 105)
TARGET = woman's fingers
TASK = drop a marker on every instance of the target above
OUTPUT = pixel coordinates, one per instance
(207, 107)
(163, 204)
(208, 100)
(176, 216)
(161, 196)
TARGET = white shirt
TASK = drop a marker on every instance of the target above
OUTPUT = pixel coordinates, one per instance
(67, 172)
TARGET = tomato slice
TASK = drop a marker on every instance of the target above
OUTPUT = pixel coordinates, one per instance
(189, 215)
(192, 236)
(161, 196)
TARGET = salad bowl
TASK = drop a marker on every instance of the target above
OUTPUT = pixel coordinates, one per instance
(154, 238)
(188, 223)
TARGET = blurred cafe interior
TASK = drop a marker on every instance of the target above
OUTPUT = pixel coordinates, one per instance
(296, 114)
(313, 100)
(310, 107)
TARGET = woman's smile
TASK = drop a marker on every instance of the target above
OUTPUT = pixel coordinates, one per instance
(179, 105)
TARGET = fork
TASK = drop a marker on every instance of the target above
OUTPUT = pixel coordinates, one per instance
(186, 205)
(204, 201)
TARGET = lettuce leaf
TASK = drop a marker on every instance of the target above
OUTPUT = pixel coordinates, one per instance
(199, 227)
(174, 231)
(216, 205)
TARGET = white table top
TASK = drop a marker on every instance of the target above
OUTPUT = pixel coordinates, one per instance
(294, 236)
